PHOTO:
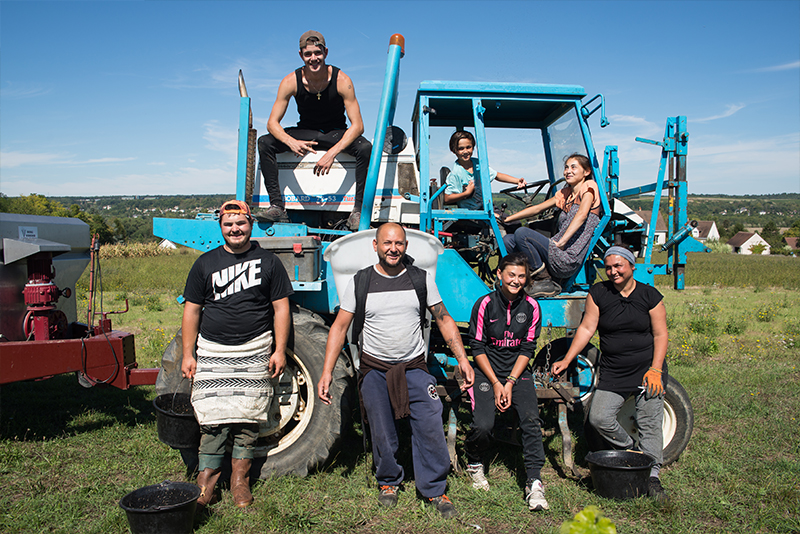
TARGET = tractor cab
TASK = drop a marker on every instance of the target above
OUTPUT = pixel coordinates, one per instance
(555, 112)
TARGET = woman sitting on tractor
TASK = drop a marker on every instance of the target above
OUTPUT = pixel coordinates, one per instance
(563, 254)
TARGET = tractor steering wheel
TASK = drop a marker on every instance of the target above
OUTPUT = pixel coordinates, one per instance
(527, 198)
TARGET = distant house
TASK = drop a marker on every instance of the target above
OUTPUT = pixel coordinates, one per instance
(743, 242)
(660, 235)
(793, 243)
(705, 230)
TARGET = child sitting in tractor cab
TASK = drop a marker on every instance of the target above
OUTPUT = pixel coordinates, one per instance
(461, 187)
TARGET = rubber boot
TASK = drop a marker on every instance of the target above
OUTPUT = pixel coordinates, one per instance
(207, 481)
(240, 481)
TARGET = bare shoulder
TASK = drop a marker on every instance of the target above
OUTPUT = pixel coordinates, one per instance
(288, 86)
(344, 85)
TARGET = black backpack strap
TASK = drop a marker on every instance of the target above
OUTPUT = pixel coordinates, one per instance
(420, 283)
(361, 283)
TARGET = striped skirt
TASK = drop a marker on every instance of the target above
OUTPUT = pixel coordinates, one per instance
(232, 383)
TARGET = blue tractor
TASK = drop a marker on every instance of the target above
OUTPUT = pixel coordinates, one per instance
(399, 189)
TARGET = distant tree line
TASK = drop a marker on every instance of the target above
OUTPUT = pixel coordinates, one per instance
(112, 230)
(120, 219)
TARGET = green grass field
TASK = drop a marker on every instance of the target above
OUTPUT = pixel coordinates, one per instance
(68, 454)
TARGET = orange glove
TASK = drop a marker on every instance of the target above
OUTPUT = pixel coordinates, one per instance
(652, 383)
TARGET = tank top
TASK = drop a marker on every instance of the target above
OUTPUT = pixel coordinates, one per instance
(323, 113)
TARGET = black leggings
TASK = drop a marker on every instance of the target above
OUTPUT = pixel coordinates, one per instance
(525, 403)
(269, 147)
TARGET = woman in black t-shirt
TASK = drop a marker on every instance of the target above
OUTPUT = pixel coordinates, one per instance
(632, 322)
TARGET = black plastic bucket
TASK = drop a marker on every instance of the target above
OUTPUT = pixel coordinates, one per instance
(175, 421)
(166, 508)
(619, 474)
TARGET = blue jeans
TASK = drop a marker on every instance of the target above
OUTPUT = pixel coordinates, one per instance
(649, 414)
(428, 445)
(531, 243)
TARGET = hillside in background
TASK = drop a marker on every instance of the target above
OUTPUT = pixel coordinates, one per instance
(133, 215)
(128, 218)
(749, 211)
(147, 206)
(769, 215)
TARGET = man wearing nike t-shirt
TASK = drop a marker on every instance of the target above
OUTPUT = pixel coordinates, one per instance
(237, 315)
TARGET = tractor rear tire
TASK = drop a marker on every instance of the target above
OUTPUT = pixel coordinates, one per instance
(678, 414)
(308, 434)
(678, 420)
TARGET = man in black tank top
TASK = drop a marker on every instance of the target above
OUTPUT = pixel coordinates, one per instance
(323, 94)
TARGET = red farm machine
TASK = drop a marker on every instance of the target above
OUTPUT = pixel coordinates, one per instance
(40, 336)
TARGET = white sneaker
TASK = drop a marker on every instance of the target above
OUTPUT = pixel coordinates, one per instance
(478, 479)
(534, 496)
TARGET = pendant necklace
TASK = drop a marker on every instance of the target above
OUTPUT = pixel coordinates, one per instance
(319, 93)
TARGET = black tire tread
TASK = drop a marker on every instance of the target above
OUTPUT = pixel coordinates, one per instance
(326, 427)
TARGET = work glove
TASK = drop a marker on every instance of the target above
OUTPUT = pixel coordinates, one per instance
(652, 383)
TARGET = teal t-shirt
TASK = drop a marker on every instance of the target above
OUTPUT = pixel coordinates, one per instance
(459, 178)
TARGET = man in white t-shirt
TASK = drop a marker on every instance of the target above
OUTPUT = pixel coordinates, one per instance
(394, 381)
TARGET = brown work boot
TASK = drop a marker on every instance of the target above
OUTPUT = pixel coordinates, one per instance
(272, 214)
(542, 285)
(207, 481)
(240, 481)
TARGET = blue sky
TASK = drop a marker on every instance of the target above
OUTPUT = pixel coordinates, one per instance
(119, 98)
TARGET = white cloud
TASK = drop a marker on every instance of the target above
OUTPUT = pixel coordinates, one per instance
(260, 75)
(623, 133)
(221, 139)
(103, 160)
(16, 91)
(732, 108)
(11, 159)
(786, 66)
(632, 120)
